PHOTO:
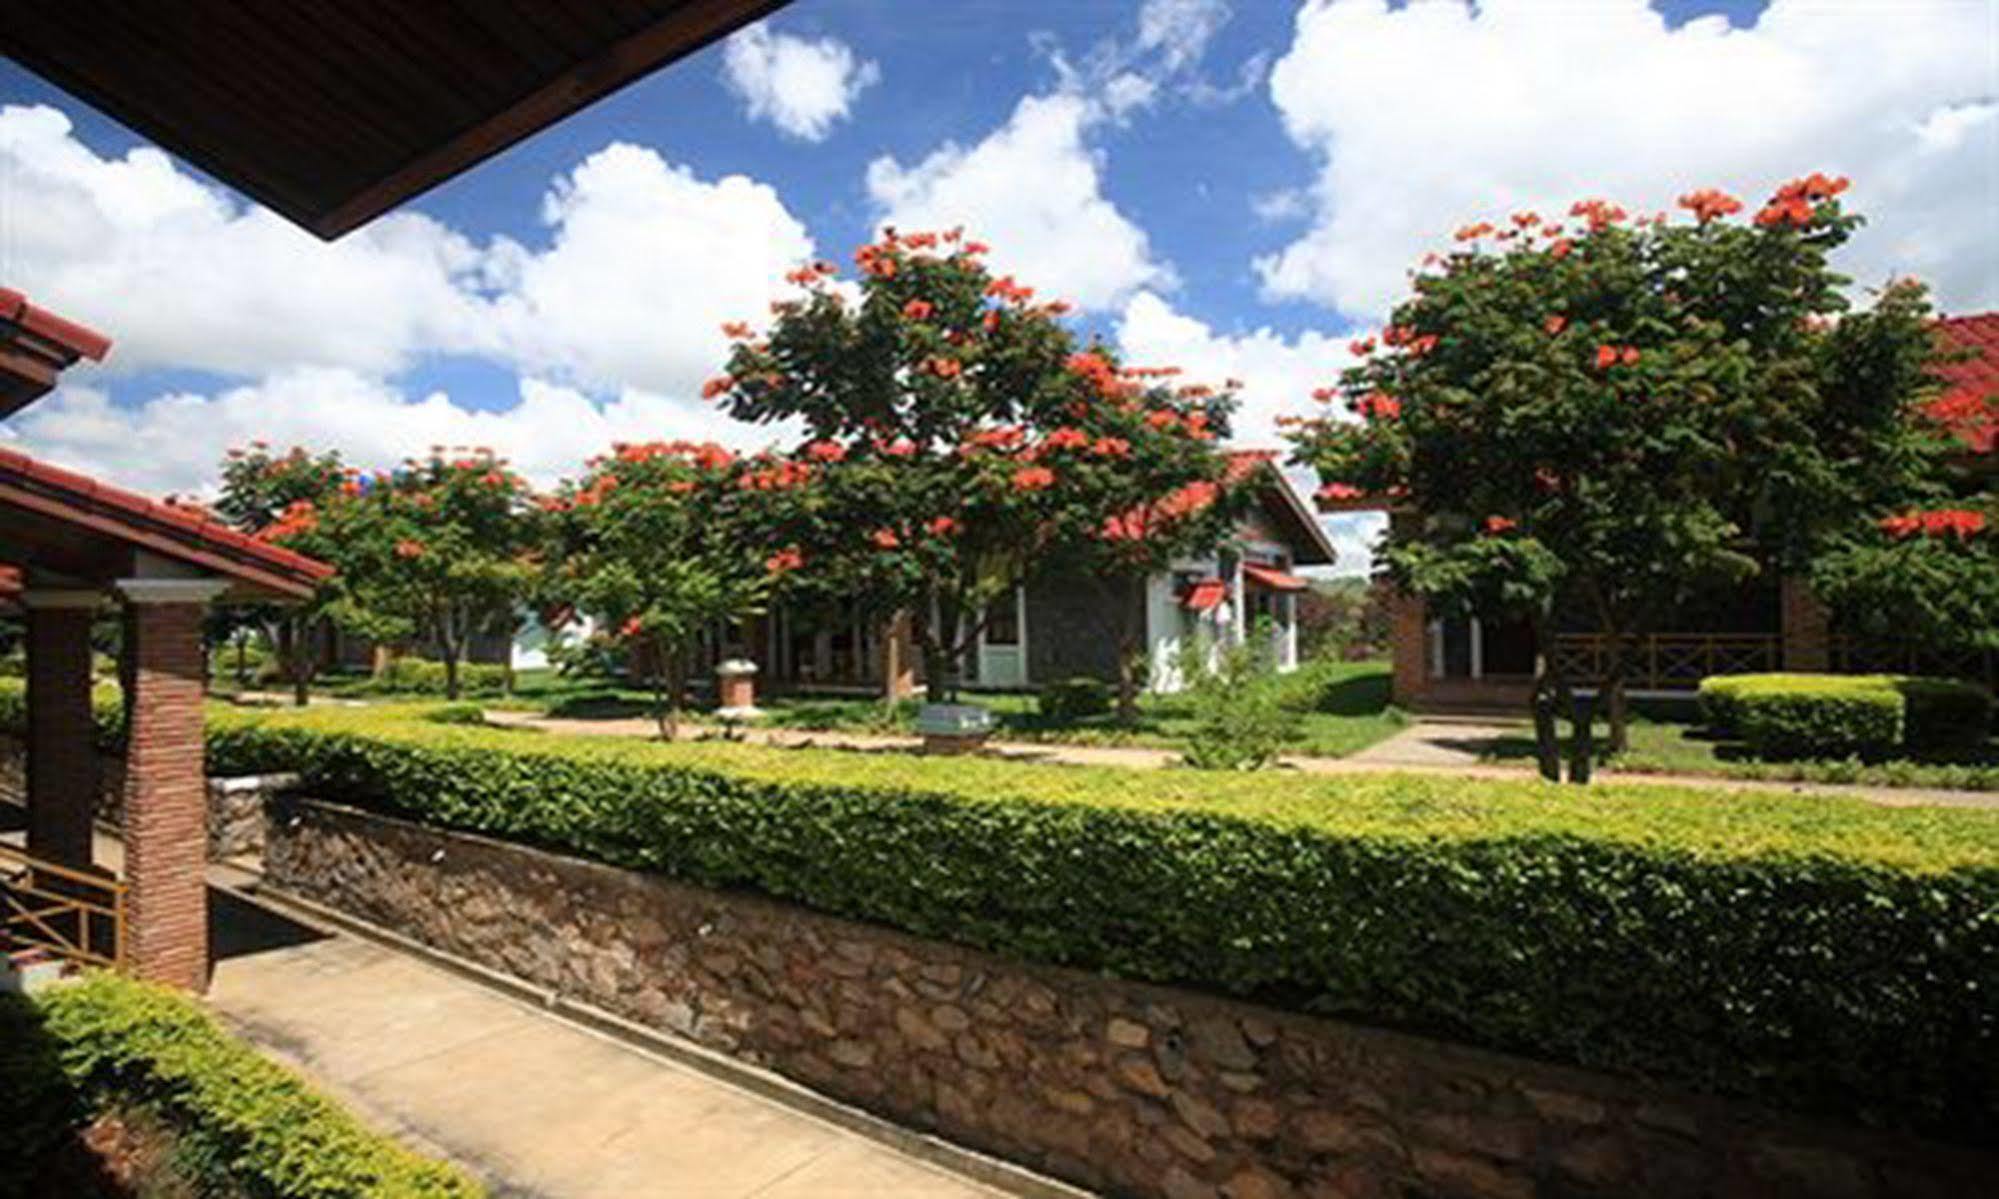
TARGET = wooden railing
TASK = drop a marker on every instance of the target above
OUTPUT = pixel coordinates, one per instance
(70, 913)
(1668, 661)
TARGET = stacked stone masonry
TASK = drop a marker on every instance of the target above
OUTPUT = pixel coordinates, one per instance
(236, 807)
(1127, 1088)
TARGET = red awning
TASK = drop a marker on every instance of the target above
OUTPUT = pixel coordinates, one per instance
(1271, 577)
(1206, 594)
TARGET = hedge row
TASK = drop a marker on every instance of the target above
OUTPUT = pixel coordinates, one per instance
(1829, 715)
(1816, 952)
(1820, 953)
(242, 1125)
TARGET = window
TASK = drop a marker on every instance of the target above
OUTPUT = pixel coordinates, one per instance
(1003, 621)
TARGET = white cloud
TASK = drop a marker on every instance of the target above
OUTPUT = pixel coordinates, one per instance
(1524, 104)
(1034, 190)
(645, 263)
(1162, 57)
(172, 443)
(800, 85)
(182, 276)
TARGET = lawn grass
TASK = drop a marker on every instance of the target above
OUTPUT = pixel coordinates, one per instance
(1685, 747)
(1342, 707)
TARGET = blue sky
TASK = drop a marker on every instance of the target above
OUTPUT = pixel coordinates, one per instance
(1232, 185)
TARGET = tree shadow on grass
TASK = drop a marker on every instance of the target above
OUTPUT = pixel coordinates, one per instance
(1358, 695)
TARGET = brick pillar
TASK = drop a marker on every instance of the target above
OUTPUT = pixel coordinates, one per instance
(166, 819)
(1806, 627)
(899, 658)
(62, 755)
(1409, 645)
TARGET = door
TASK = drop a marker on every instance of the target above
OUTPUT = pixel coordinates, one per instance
(1003, 643)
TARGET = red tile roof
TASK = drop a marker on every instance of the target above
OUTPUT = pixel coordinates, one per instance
(1969, 405)
(1204, 595)
(99, 509)
(1273, 578)
(36, 345)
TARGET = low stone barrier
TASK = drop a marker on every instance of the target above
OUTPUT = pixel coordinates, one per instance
(1126, 1087)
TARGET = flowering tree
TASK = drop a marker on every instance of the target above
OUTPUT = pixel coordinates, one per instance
(281, 498)
(1603, 416)
(956, 435)
(440, 549)
(1922, 577)
(659, 542)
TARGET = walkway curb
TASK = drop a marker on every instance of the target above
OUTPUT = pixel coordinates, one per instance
(935, 1151)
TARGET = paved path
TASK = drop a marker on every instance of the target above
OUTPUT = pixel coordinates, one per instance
(1443, 747)
(536, 1105)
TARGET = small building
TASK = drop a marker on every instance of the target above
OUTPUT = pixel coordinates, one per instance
(1766, 624)
(1061, 625)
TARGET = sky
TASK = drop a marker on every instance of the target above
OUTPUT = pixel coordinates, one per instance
(1237, 187)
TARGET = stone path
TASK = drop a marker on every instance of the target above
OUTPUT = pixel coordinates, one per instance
(534, 1104)
(1443, 747)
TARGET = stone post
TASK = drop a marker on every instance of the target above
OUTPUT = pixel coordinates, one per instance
(736, 686)
(166, 792)
(62, 751)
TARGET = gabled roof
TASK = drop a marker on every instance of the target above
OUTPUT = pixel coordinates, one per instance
(1969, 405)
(72, 525)
(36, 345)
(332, 114)
(1279, 500)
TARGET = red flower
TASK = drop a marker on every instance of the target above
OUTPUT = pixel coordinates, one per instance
(1630, 355)
(1606, 357)
(1065, 439)
(785, 560)
(825, 451)
(1471, 232)
(1111, 447)
(1324, 395)
(736, 331)
(1961, 523)
(901, 447)
(1555, 324)
(631, 628)
(1710, 204)
(944, 368)
(716, 386)
(1560, 247)
(1377, 405)
(1500, 524)
(1339, 491)
(917, 310)
(407, 548)
(1033, 478)
(885, 539)
(943, 526)
(1361, 346)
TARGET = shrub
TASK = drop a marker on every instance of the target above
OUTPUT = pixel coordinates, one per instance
(411, 675)
(1824, 953)
(1819, 720)
(1241, 718)
(242, 1124)
(1075, 698)
(1821, 715)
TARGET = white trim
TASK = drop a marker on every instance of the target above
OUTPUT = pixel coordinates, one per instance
(60, 597)
(170, 591)
(1017, 651)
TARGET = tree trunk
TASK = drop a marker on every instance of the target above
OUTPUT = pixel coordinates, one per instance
(666, 692)
(300, 665)
(1549, 687)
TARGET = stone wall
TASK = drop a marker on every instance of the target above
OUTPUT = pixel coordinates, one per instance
(236, 806)
(1129, 1088)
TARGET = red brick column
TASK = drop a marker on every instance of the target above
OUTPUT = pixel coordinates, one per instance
(62, 755)
(166, 836)
(1409, 645)
(1806, 627)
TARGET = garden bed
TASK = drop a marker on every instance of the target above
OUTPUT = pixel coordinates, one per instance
(112, 1087)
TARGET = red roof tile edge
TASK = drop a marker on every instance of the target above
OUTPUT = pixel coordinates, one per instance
(79, 340)
(177, 523)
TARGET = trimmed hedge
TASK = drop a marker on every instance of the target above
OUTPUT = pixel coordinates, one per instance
(1815, 952)
(1830, 715)
(1819, 953)
(411, 675)
(241, 1123)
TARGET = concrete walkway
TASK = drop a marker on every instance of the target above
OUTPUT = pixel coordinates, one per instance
(535, 1105)
(1438, 747)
